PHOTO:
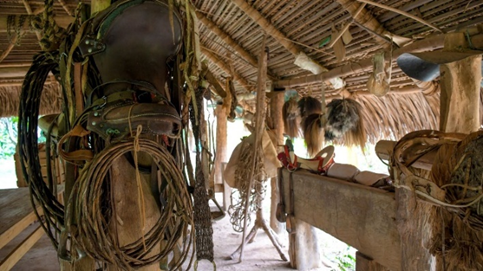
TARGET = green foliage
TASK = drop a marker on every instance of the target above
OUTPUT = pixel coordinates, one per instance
(347, 262)
(8, 136)
(325, 41)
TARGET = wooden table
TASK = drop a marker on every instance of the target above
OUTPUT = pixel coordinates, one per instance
(16, 214)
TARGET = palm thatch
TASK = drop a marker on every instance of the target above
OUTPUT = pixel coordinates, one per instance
(50, 103)
(230, 34)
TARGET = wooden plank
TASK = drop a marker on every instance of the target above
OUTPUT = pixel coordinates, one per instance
(16, 213)
(21, 249)
(360, 216)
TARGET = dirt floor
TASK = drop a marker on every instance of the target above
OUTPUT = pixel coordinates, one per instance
(259, 255)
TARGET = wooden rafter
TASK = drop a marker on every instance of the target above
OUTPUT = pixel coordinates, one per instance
(272, 31)
(364, 17)
(231, 42)
(222, 65)
(432, 43)
(9, 48)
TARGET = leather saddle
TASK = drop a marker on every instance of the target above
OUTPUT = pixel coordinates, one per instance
(131, 44)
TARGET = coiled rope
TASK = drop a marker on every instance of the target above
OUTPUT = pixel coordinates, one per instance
(95, 236)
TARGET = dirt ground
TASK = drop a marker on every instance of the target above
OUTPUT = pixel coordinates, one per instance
(259, 255)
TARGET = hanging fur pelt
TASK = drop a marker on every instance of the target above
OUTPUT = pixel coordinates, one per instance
(344, 122)
(291, 117)
(305, 118)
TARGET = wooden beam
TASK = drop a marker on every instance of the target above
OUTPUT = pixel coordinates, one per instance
(427, 44)
(12, 72)
(210, 77)
(231, 42)
(301, 59)
(361, 216)
(222, 65)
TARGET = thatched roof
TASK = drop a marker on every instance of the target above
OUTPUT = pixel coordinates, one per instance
(50, 102)
(231, 32)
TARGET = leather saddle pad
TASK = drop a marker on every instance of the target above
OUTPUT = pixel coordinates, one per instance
(133, 41)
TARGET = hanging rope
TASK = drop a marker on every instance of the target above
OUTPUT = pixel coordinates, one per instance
(242, 181)
(95, 236)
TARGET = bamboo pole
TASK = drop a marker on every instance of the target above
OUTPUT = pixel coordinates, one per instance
(222, 65)
(231, 42)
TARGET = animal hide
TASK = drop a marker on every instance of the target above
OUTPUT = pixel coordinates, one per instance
(343, 115)
(291, 118)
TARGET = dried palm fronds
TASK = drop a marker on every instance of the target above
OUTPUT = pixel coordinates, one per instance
(50, 102)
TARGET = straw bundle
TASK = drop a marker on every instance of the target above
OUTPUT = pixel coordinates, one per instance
(459, 169)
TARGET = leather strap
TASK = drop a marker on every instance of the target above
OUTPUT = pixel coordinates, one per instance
(78, 155)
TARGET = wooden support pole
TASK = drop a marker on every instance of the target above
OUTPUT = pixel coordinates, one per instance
(210, 77)
(221, 139)
(276, 104)
(460, 89)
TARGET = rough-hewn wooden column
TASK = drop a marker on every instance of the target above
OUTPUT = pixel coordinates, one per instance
(276, 104)
(460, 89)
(460, 97)
(221, 137)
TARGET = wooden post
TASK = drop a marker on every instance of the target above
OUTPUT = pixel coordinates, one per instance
(460, 98)
(460, 89)
(304, 249)
(221, 138)
(276, 104)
